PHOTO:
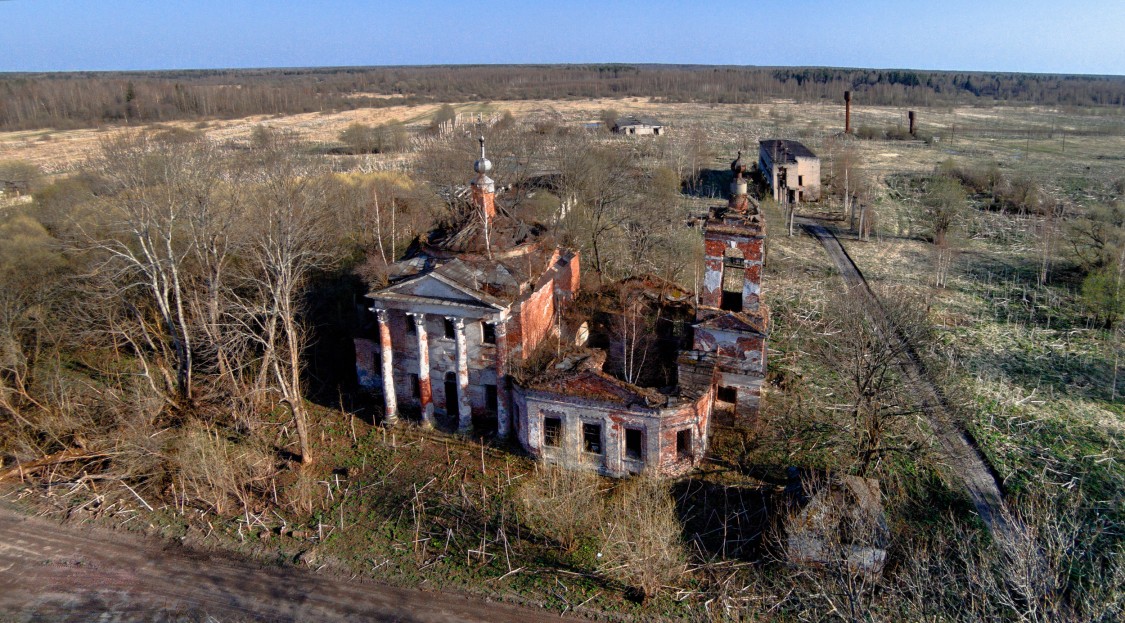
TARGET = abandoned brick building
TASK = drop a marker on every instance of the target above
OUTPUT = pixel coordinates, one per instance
(458, 309)
(482, 327)
(792, 171)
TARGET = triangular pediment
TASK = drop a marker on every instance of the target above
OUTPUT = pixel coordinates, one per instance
(436, 288)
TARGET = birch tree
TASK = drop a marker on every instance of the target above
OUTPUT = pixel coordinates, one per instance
(289, 243)
(147, 245)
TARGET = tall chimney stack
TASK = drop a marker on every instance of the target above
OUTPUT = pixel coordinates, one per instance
(913, 128)
(847, 112)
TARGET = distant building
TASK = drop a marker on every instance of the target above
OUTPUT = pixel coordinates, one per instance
(792, 170)
(638, 125)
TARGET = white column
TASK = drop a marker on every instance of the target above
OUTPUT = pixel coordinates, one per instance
(464, 407)
(387, 358)
(425, 387)
(503, 424)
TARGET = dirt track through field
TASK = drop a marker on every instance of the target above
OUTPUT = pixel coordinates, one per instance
(50, 572)
(962, 456)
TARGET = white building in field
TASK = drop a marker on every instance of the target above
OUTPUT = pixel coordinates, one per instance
(791, 170)
(638, 125)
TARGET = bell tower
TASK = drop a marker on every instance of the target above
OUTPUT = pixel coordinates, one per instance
(734, 249)
(728, 353)
(484, 189)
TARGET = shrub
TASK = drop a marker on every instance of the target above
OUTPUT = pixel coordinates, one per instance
(218, 471)
(1103, 295)
(563, 505)
(642, 546)
(364, 139)
(444, 114)
(19, 175)
(868, 132)
(360, 138)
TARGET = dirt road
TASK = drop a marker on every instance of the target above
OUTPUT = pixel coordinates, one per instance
(50, 572)
(962, 456)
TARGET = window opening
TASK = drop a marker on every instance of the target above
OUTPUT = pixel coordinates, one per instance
(451, 392)
(683, 444)
(734, 276)
(491, 400)
(592, 437)
(634, 443)
(728, 394)
(552, 431)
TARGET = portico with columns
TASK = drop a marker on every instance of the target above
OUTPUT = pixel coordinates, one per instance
(456, 314)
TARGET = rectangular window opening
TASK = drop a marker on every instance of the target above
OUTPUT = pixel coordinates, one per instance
(451, 402)
(552, 431)
(449, 330)
(728, 394)
(592, 437)
(415, 386)
(410, 327)
(488, 332)
(731, 301)
(683, 444)
(634, 443)
(491, 400)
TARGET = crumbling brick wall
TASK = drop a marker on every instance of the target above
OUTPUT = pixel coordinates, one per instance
(659, 426)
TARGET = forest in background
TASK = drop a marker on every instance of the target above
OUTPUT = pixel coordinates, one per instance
(89, 99)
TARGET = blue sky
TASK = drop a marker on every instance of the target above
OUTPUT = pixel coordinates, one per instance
(1084, 36)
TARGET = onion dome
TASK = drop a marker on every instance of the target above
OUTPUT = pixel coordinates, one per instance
(482, 166)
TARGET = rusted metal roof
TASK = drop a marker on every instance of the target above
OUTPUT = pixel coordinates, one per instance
(783, 150)
(597, 385)
(632, 120)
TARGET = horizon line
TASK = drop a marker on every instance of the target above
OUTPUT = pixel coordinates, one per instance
(4, 73)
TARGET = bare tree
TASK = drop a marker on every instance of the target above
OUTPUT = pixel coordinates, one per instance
(290, 241)
(31, 268)
(943, 206)
(603, 180)
(159, 187)
(861, 347)
(635, 327)
(1056, 565)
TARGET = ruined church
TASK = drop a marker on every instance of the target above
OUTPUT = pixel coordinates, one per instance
(455, 339)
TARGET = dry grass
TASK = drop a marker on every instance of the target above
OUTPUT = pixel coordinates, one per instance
(729, 126)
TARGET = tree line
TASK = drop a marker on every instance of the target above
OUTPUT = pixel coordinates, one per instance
(86, 99)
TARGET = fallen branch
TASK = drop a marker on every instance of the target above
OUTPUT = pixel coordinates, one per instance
(65, 456)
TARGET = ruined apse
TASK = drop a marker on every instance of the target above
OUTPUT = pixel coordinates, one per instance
(702, 363)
